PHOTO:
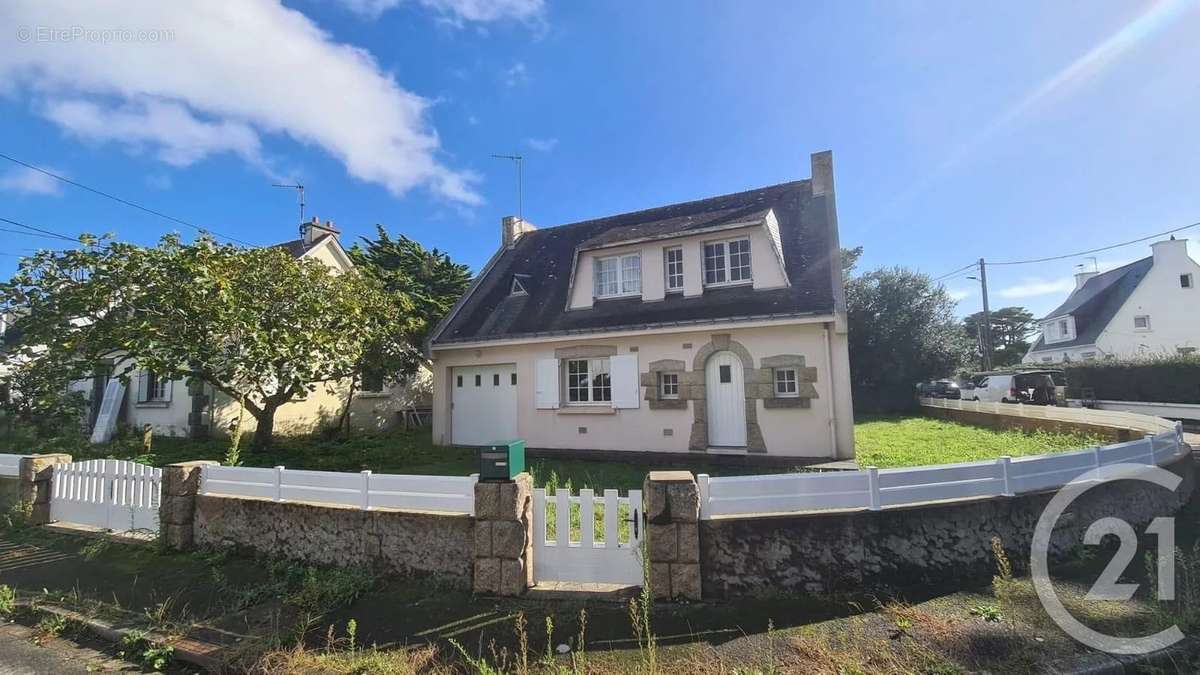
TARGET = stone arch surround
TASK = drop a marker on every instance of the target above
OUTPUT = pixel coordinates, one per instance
(698, 441)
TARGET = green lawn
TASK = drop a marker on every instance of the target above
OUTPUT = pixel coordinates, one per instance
(915, 441)
(882, 442)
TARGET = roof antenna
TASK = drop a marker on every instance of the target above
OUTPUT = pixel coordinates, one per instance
(299, 190)
(520, 180)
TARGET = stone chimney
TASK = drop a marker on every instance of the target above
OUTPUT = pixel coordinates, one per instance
(1171, 252)
(822, 173)
(314, 230)
(1082, 277)
(512, 228)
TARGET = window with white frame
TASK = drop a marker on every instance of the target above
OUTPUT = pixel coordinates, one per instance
(668, 385)
(1141, 322)
(1064, 329)
(673, 261)
(785, 383)
(618, 276)
(588, 381)
(1186, 281)
(727, 262)
(153, 388)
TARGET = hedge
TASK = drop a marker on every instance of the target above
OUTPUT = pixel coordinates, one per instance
(1174, 379)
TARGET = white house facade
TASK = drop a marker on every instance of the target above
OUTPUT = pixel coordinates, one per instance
(714, 326)
(1148, 307)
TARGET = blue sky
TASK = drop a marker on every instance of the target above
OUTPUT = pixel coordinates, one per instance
(959, 130)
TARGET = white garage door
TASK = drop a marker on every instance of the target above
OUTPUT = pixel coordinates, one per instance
(485, 404)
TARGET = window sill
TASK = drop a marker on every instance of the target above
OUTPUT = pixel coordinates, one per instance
(373, 394)
(731, 284)
(587, 410)
(152, 404)
(623, 296)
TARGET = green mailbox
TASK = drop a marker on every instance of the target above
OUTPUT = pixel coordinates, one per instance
(502, 460)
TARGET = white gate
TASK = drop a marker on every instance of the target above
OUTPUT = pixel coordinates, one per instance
(583, 539)
(107, 493)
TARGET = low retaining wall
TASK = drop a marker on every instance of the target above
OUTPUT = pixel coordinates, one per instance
(387, 541)
(1002, 422)
(924, 544)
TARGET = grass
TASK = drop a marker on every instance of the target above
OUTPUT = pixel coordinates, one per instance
(915, 441)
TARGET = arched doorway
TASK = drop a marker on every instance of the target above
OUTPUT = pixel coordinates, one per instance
(726, 393)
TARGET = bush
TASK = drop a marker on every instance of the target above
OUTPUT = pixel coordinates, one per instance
(1162, 379)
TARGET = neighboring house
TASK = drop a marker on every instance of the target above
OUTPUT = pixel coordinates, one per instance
(1144, 308)
(715, 326)
(175, 409)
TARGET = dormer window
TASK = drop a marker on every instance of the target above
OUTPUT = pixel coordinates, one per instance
(673, 260)
(517, 287)
(618, 276)
(1063, 328)
(727, 262)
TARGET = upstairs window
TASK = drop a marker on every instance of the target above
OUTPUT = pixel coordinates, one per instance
(1141, 322)
(588, 381)
(727, 262)
(618, 276)
(1186, 281)
(673, 260)
(1064, 329)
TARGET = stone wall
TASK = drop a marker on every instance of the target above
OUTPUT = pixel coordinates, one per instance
(1002, 422)
(387, 541)
(928, 544)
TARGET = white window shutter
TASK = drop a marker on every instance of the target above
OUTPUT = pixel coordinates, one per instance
(142, 394)
(546, 395)
(626, 390)
(167, 390)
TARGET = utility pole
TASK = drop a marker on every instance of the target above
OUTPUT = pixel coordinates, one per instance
(985, 331)
(520, 182)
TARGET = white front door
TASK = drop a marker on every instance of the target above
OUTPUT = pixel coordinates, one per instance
(726, 392)
(484, 404)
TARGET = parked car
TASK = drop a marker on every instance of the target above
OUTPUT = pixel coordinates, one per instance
(939, 389)
(1033, 386)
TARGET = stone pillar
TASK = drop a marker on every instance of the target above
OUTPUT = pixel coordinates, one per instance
(504, 536)
(180, 484)
(35, 475)
(673, 534)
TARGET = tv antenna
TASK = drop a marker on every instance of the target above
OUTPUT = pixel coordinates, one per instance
(299, 190)
(520, 161)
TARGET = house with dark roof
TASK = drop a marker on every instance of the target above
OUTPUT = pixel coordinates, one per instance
(173, 407)
(1147, 307)
(710, 326)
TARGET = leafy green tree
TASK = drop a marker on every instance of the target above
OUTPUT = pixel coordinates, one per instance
(35, 391)
(256, 324)
(902, 330)
(1011, 329)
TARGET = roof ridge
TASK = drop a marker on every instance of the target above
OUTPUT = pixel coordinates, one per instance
(639, 212)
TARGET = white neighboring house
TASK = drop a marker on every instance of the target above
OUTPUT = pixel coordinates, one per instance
(1150, 306)
(172, 408)
(713, 326)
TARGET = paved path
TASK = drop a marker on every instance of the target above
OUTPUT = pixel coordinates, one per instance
(19, 656)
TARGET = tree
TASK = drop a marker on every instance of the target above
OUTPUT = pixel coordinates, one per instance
(36, 391)
(1011, 329)
(257, 324)
(902, 330)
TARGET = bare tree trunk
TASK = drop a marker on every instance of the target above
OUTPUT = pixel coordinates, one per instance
(264, 434)
(344, 421)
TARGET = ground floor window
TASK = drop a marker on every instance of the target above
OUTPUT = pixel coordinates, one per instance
(785, 382)
(588, 381)
(372, 381)
(153, 388)
(668, 385)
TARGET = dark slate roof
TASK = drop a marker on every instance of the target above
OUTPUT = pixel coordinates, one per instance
(810, 252)
(1094, 305)
(297, 248)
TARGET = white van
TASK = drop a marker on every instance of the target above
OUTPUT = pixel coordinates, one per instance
(1035, 386)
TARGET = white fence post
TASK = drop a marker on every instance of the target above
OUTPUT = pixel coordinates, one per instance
(471, 495)
(1005, 462)
(873, 483)
(1096, 462)
(366, 489)
(1149, 438)
(702, 484)
(278, 484)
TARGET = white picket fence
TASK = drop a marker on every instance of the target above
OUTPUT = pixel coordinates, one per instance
(107, 493)
(364, 490)
(10, 465)
(1109, 418)
(567, 557)
(878, 488)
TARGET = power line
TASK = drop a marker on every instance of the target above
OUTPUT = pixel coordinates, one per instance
(1096, 250)
(956, 272)
(126, 202)
(31, 234)
(51, 233)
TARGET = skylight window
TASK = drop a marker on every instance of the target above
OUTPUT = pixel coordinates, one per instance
(517, 288)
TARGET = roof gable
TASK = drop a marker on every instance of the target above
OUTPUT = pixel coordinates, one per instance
(1096, 303)
(806, 237)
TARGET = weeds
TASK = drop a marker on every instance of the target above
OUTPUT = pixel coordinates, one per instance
(989, 613)
(1184, 610)
(50, 626)
(138, 647)
(8, 600)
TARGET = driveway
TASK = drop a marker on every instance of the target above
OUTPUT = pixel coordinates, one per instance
(19, 656)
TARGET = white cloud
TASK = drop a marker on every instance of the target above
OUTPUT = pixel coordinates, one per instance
(229, 72)
(23, 180)
(459, 11)
(959, 295)
(1033, 287)
(515, 75)
(542, 144)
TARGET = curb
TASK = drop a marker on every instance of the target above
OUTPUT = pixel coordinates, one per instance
(1172, 659)
(204, 655)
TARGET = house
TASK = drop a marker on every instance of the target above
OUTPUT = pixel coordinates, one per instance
(712, 326)
(176, 409)
(1144, 308)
